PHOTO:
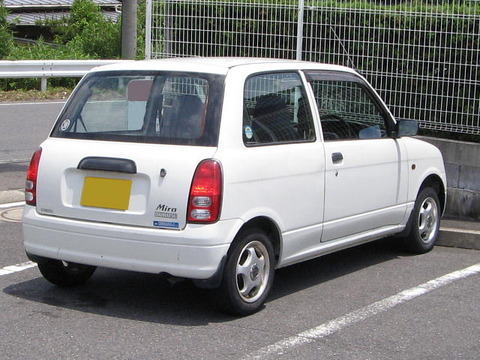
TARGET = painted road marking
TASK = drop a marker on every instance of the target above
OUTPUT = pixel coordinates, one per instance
(7, 270)
(10, 205)
(335, 325)
(462, 231)
(14, 161)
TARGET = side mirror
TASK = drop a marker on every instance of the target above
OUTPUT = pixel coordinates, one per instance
(406, 128)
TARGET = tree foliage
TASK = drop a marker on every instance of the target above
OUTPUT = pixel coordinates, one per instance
(85, 34)
(6, 38)
(87, 31)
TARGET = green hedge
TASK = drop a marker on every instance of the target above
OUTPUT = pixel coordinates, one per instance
(426, 53)
(6, 40)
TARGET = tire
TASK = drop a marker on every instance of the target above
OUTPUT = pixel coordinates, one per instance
(248, 273)
(64, 273)
(424, 222)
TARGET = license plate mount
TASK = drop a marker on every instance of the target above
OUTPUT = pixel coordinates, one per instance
(106, 193)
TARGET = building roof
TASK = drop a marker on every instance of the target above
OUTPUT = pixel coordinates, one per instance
(30, 12)
(45, 4)
(32, 18)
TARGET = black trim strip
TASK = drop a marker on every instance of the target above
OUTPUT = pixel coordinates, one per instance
(108, 164)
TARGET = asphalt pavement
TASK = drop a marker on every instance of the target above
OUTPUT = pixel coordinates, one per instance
(368, 302)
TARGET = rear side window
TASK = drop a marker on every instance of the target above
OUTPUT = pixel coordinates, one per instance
(276, 110)
(165, 108)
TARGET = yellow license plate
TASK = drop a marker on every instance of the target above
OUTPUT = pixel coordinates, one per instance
(106, 193)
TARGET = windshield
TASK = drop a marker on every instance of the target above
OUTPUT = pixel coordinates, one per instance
(160, 107)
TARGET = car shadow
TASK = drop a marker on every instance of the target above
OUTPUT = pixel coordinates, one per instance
(156, 299)
(301, 276)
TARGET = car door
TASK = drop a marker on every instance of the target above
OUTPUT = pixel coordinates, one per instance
(365, 177)
(276, 172)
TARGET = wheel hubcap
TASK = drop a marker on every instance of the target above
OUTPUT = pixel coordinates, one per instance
(428, 220)
(252, 271)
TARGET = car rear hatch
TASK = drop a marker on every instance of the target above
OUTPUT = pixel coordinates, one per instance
(126, 146)
(123, 183)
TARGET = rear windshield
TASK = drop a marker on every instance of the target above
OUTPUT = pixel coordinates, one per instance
(147, 107)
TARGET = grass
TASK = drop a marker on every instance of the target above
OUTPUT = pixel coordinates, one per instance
(34, 95)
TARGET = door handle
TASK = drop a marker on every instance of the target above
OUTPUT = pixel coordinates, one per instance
(337, 157)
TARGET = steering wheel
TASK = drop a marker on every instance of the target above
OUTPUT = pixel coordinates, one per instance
(345, 129)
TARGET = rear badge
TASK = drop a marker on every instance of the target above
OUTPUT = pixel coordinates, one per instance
(166, 224)
(164, 211)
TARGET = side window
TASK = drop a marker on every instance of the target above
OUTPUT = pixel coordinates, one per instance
(347, 111)
(276, 110)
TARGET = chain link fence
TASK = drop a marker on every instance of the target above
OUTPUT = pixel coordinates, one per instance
(422, 56)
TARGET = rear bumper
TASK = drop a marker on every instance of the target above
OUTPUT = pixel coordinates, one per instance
(195, 252)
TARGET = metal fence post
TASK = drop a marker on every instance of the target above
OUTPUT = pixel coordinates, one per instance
(43, 84)
(301, 10)
(148, 30)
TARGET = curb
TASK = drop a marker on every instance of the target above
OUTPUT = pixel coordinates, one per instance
(453, 233)
(460, 234)
(459, 239)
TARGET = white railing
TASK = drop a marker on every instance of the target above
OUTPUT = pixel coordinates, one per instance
(45, 69)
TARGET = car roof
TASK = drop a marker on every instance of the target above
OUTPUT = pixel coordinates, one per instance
(218, 65)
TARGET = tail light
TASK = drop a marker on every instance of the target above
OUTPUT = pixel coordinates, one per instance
(205, 197)
(31, 182)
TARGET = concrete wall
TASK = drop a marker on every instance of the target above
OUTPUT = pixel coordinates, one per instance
(462, 163)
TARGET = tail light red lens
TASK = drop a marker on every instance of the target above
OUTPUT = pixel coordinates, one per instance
(205, 198)
(31, 182)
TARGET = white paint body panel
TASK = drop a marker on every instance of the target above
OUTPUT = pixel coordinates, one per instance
(317, 206)
(367, 189)
(60, 182)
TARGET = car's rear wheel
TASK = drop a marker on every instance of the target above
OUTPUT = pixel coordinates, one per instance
(64, 273)
(248, 274)
(424, 222)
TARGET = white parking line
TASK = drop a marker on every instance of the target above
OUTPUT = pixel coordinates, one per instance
(14, 161)
(10, 205)
(16, 268)
(331, 327)
(464, 231)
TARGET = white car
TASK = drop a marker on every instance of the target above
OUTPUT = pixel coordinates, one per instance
(222, 170)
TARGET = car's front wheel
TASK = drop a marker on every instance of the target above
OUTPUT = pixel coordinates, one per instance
(248, 274)
(424, 222)
(64, 273)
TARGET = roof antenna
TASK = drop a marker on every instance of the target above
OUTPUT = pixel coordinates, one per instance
(343, 47)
